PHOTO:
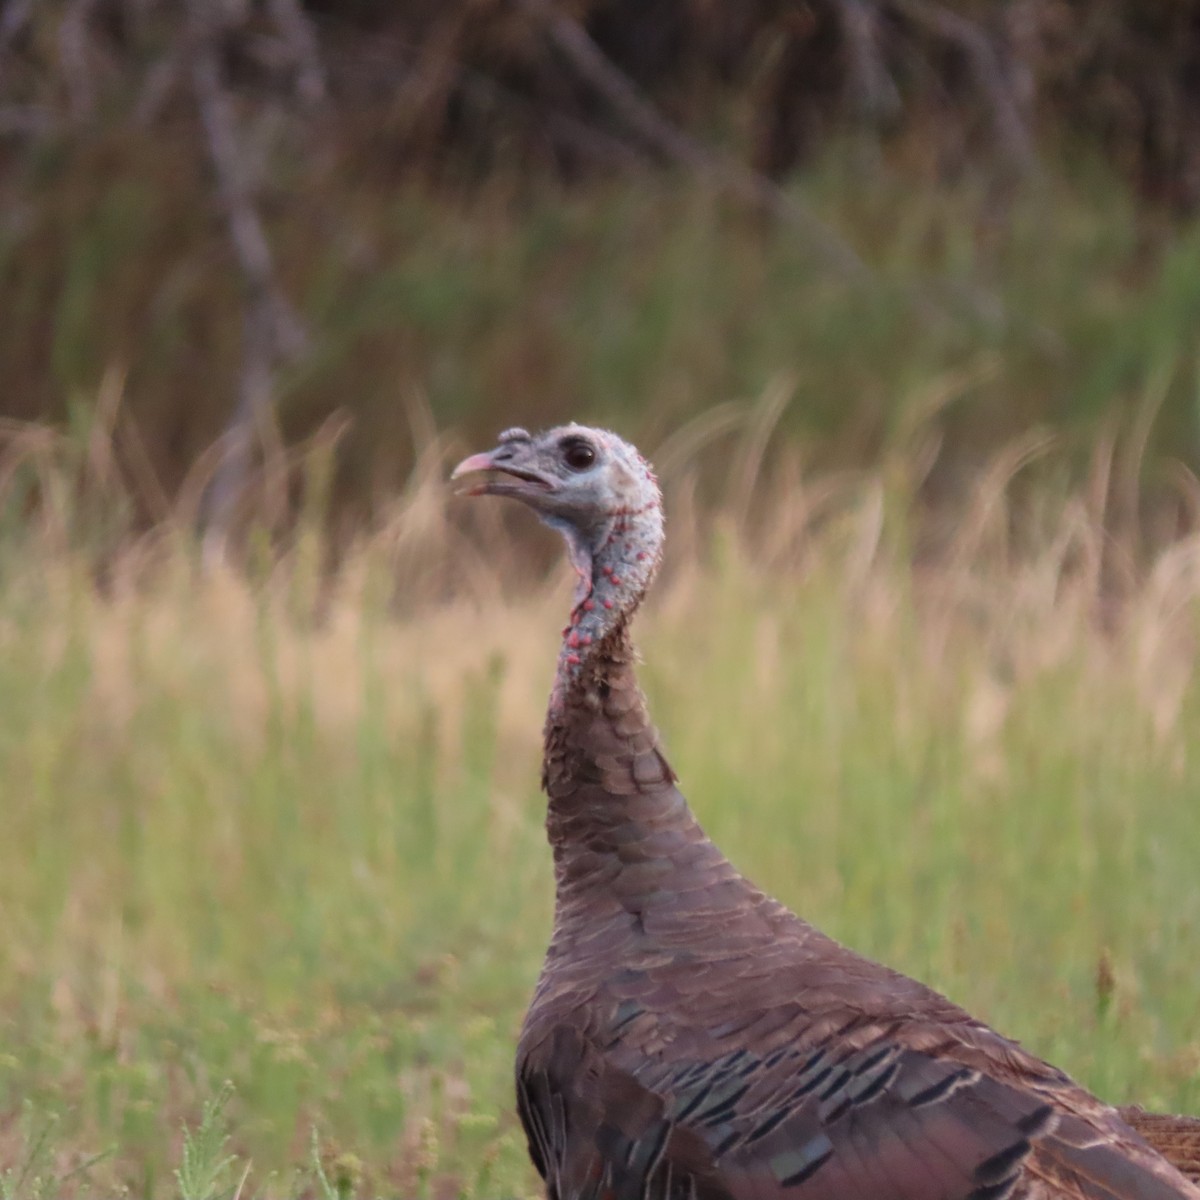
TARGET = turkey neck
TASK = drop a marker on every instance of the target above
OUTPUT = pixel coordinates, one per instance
(615, 558)
(612, 803)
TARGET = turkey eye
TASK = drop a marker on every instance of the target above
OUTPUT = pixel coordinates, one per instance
(578, 455)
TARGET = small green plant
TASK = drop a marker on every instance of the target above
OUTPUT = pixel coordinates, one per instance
(206, 1168)
(346, 1171)
(34, 1176)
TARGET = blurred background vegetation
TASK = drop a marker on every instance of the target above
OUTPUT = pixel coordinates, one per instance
(902, 298)
(626, 211)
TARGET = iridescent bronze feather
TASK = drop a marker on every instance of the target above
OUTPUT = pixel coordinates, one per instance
(692, 1039)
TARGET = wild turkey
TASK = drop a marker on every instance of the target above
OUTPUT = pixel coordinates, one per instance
(692, 1039)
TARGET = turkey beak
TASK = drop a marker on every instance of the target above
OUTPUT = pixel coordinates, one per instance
(476, 464)
(500, 476)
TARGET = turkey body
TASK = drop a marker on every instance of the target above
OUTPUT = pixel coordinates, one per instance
(690, 1038)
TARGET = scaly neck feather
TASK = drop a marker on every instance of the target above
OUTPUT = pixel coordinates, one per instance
(614, 564)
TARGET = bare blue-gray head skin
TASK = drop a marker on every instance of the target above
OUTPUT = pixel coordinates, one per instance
(602, 496)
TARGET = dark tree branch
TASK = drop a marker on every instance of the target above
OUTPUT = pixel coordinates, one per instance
(567, 132)
(604, 77)
(73, 49)
(12, 20)
(25, 120)
(163, 76)
(272, 333)
(869, 84)
(294, 25)
(246, 233)
(980, 53)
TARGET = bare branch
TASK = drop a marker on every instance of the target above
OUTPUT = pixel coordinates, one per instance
(674, 144)
(618, 89)
(272, 333)
(12, 20)
(292, 22)
(251, 412)
(162, 78)
(73, 47)
(566, 131)
(25, 120)
(245, 228)
(980, 52)
(871, 87)
(392, 64)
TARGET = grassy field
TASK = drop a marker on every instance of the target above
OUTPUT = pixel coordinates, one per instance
(273, 862)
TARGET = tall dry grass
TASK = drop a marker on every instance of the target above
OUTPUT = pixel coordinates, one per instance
(277, 821)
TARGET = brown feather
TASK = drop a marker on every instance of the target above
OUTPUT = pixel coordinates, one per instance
(1176, 1138)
